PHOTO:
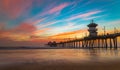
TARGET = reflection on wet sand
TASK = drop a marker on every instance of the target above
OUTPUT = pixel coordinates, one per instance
(72, 58)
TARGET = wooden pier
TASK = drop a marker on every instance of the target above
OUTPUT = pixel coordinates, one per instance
(102, 41)
(91, 41)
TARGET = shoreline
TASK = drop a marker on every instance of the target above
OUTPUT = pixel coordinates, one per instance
(17, 48)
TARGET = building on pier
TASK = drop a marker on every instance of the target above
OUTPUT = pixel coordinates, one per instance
(92, 29)
(52, 44)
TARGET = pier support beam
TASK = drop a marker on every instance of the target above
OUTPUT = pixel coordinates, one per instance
(106, 45)
(115, 43)
(110, 43)
(98, 43)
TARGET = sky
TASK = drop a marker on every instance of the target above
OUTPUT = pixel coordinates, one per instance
(35, 22)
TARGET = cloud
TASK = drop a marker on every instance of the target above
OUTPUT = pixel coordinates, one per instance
(20, 33)
(64, 30)
(6, 42)
(2, 26)
(110, 25)
(52, 8)
(70, 26)
(14, 8)
(58, 8)
(55, 30)
(24, 28)
(115, 22)
(71, 34)
(47, 24)
(34, 22)
(23, 32)
(94, 17)
(85, 15)
(21, 36)
(40, 32)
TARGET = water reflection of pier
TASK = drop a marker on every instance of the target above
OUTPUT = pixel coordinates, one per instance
(93, 40)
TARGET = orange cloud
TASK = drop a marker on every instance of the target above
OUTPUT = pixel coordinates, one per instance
(13, 36)
(40, 32)
(72, 34)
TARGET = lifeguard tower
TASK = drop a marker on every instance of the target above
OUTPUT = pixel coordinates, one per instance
(92, 29)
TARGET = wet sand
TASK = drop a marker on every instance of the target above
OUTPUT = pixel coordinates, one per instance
(112, 65)
(60, 59)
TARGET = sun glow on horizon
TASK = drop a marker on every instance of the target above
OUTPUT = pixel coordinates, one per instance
(31, 21)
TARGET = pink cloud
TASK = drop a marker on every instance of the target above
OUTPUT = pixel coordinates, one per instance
(58, 8)
(25, 28)
(85, 15)
(14, 8)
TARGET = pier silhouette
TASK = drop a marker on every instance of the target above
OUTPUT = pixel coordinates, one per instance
(93, 40)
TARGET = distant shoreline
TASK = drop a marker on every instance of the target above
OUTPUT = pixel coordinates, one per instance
(12, 48)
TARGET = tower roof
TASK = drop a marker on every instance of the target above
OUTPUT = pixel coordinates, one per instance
(92, 24)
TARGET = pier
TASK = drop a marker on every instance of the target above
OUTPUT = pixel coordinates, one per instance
(92, 41)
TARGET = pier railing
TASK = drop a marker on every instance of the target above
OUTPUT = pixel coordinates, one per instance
(100, 41)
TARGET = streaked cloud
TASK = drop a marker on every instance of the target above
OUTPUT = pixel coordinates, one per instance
(58, 8)
(68, 27)
(85, 15)
(46, 24)
(35, 22)
(94, 17)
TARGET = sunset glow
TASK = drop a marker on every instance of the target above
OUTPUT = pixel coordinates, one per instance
(35, 22)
